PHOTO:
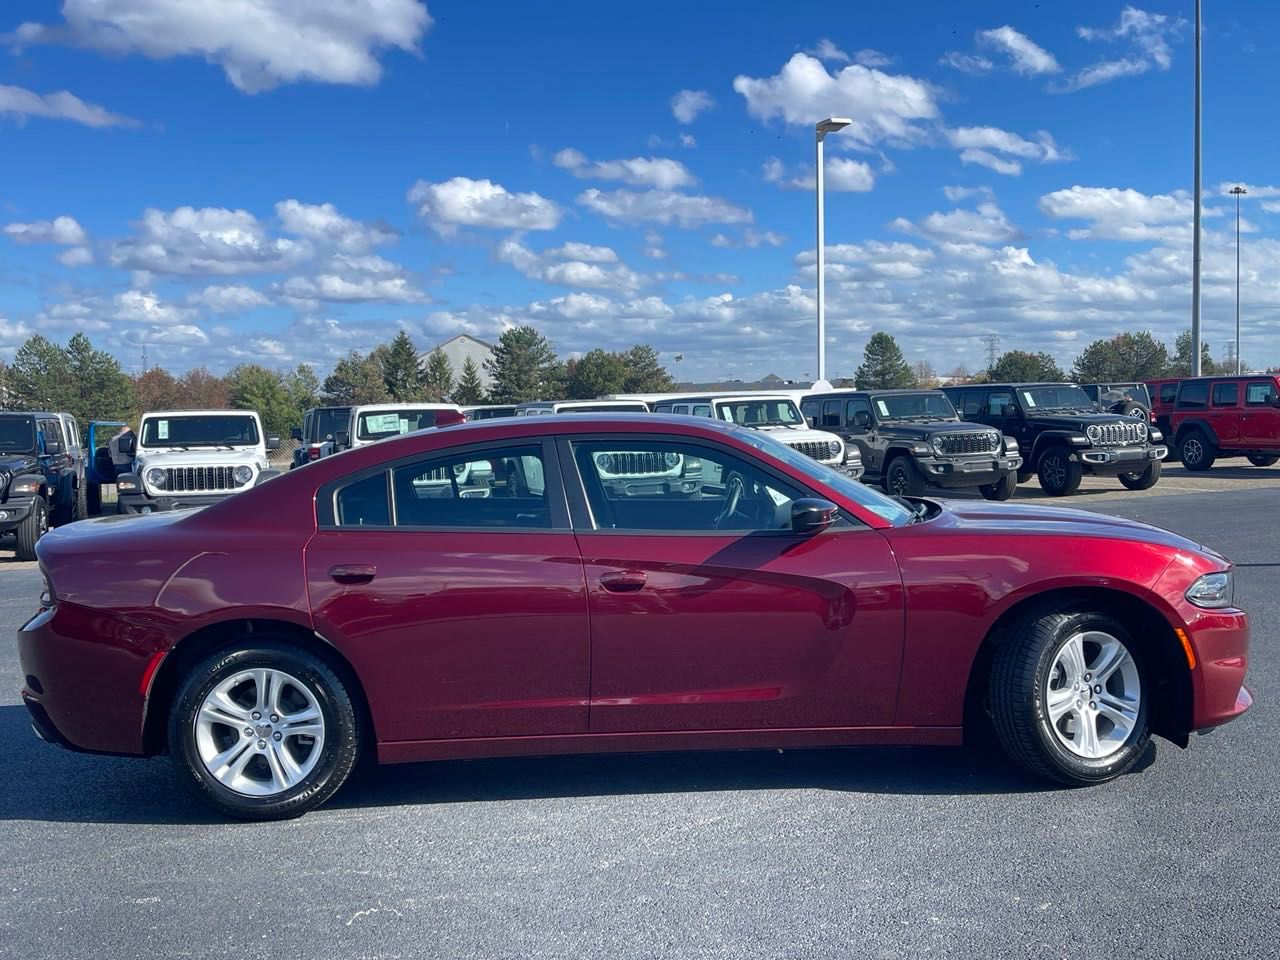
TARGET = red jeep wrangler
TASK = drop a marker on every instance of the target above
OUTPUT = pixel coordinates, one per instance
(1227, 417)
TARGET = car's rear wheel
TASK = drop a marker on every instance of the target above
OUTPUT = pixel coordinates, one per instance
(1260, 460)
(1197, 451)
(1002, 489)
(34, 526)
(1059, 474)
(1069, 697)
(1142, 479)
(265, 731)
(903, 479)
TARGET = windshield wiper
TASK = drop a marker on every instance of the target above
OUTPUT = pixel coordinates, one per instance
(918, 510)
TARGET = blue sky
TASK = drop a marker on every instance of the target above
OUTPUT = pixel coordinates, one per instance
(283, 182)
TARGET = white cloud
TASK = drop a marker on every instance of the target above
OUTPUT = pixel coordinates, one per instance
(23, 103)
(76, 257)
(870, 261)
(64, 231)
(207, 240)
(1256, 191)
(658, 172)
(956, 194)
(228, 298)
(141, 306)
(333, 288)
(1026, 57)
(983, 158)
(584, 251)
(662, 206)
(324, 224)
(970, 63)
(259, 44)
(571, 265)
(981, 145)
(827, 50)
(1121, 214)
(1147, 35)
(653, 248)
(841, 174)
(178, 335)
(687, 104)
(462, 202)
(751, 239)
(884, 107)
(985, 225)
(872, 58)
(688, 141)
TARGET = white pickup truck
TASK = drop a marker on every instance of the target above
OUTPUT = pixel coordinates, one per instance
(192, 458)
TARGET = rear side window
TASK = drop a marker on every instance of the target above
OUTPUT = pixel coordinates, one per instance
(1168, 391)
(503, 489)
(364, 503)
(702, 410)
(855, 406)
(973, 400)
(1194, 395)
(1225, 394)
(812, 411)
(831, 413)
(662, 408)
(1261, 393)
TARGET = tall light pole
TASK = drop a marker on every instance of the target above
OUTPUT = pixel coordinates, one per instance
(1238, 192)
(830, 125)
(1195, 243)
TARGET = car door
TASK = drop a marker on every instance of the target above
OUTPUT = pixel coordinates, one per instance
(453, 583)
(708, 613)
(861, 433)
(1224, 413)
(1260, 421)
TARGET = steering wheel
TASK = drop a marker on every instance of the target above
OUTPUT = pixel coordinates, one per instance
(733, 490)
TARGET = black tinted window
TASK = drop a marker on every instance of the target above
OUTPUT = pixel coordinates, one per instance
(1167, 392)
(831, 413)
(502, 488)
(1225, 394)
(17, 434)
(668, 485)
(1194, 394)
(810, 409)
(363, 503)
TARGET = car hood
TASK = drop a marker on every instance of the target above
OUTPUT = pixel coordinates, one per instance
(16, 462)
(1075, 421)
(793, 434)
(981, 516)
(199, 457)
(923, 429)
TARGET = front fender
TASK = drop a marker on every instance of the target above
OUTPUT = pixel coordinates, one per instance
(1199, 424)
(1052, 438)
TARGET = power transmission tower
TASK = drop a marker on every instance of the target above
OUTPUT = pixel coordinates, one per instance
(992, 340)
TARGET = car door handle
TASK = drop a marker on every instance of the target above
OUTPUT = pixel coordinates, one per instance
(624, 581)
(353, 573)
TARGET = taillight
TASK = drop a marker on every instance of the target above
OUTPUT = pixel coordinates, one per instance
(313, 452)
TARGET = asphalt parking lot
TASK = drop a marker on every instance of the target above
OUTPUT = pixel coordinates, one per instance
(869, 853)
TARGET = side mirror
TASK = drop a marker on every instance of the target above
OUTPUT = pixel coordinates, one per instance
(295, 433)
(52, 447)
(273, 441)
(129, 444)
(811, 515)
(342, 438)
(1275, 401)
(862, 420)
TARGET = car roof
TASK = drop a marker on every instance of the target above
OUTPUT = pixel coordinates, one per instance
(725, 397)
(1232, 376)
(850, 391)
(1015, 383)
(31, 413)
(200, 413)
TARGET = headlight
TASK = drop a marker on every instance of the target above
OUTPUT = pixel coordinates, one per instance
(672, 460)
(924, 449)
(27, 485)
(458, 469)
(605, 462)
(1079, 440)
(1094, 433)
(1213, 590)
(156, 477)
(242, 474)
(1010, 445)
(833, 447)
(1142, 428)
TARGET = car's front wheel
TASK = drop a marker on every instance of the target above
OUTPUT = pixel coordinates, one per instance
(1143, 479)
(1059, 473)
(1197, 451)
(1262, 460)
(1002, 489)
(34, 526)
(1069, 697)
(903, 479)
(265, 731)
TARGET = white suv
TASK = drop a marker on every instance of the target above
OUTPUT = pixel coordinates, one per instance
(381, 421)
(776, 415)
(192, 458)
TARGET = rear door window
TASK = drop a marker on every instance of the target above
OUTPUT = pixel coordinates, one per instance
(1260, 393)
(1168, 391)
(1225, 394)
(831, 413)
(1194, 395)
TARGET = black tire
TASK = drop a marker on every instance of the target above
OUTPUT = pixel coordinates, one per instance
(93, 498)
(1021, 673)
(1259, 460)
(1196, 450)
(1059, 474)
(31, 529)
(339, 750)
(1002, 489)
(903, 479)
(71, 508)
(1024, 476)
(1144, 480)
(79, 508)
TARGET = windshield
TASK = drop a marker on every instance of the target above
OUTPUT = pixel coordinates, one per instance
(914, 406)
(636, 407)
(877, 503)
(1065, 397)
(205, 430)
(379, 424)
(17, 435)
(771, 412)
(326, 423)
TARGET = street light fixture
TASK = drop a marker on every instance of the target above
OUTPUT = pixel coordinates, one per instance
(1238, 192)
(830, 125)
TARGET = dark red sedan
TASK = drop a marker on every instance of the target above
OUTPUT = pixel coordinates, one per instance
(614, 582)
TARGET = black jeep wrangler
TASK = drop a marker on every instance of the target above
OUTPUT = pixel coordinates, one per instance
(320, 425)
(1063, 436)
(911, 439)
(42, 479)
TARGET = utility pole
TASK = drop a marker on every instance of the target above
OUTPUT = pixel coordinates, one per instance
(992, 340)
(1238, 192)
(1195, 245)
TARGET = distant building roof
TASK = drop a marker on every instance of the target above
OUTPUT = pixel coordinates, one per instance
(463, 336)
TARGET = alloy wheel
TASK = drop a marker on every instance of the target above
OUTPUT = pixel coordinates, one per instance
(1192, 450)
(260, 732)
(1054, 471)
(898, 481)
(1093, 695)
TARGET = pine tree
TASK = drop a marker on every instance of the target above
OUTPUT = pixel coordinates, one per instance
(469, 390)
(437, 378)
(401, 369)
(523, 367)
(1179, 362)
(254, 387)
(595, 374)
(39, 378)
(96, 389)
(645, 373)
(883, 366)
(1019, 366)
(355, 379)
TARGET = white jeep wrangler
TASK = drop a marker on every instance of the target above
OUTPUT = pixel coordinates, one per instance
(192, 458)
